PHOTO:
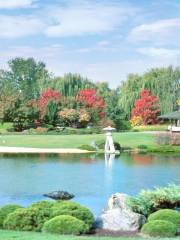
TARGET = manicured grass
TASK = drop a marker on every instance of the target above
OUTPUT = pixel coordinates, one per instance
(126, 139)
(10, 235)
(4, 127)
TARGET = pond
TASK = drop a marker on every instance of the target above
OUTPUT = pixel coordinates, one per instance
(92, 178)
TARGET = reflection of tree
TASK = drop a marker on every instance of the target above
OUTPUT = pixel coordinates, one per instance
(144, 159)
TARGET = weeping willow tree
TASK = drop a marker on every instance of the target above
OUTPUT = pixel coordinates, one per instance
(70, 84)
(162, 82)
(129, 92)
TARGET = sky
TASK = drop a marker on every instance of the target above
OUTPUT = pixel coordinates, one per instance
(100, 39)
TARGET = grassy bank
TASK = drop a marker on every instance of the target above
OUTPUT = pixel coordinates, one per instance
(10, 235)
(127, 140)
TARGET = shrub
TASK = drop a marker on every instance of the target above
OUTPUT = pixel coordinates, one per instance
(87, 147)
(29, 219)
(142, 146)
(75, 210)
(7, 209)
(42, 204)
(159, 228)
(101, 145)
(64, 225)
(167, 215)
(149, 201)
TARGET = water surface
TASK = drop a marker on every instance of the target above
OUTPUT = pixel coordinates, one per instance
(25, 178)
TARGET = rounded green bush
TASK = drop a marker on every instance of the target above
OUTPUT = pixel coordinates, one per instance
(7, 209)
(159, 228)
(87, 147)
(65, 224)
(167, 215)
(29, 219)
(75, 210)
(42, 204)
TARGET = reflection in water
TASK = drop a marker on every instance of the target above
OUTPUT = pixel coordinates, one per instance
(92, 178)
(109, 159)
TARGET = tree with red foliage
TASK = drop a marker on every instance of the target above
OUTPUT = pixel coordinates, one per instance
(90, 99)
(47, 96)
(146, 108)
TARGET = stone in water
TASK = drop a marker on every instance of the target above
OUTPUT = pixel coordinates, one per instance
(59, 195)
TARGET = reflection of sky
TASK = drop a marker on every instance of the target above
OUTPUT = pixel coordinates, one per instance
(26, 179)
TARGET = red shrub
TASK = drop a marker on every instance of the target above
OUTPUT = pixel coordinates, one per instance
(48, 95)
(146, 107)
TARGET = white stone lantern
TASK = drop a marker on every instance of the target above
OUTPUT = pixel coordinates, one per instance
(109, 145)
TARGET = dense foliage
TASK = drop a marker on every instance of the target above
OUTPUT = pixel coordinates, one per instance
(27, 219)
(4, 211)
(75, 210)
(65, 224)
(145, 110)
(159, 228)
(161, 82)
(167, 215)
(149, 201)
(70, 217)
(31, 97)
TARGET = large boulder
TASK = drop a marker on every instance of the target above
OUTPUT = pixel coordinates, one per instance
(118, 216)
(59, 195)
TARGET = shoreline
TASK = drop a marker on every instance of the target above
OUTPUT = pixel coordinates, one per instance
(41, 150)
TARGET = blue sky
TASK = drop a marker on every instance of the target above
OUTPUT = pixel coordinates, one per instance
(103, 40)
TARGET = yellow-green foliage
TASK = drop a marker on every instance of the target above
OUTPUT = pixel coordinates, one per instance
(65, 224)
(149, 201)
(168, 215)
(75, 210)
(159, 228)
(7, 209)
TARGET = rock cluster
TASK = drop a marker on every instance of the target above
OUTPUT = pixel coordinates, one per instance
(118, 216)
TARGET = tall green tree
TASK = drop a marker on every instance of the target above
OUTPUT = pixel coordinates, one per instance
(70, 84)
(162, 82)
(28, 76)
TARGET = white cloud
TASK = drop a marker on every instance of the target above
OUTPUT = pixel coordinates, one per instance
(10, 4)
(159, 52)
(19, 26)
(87, 18)
(160, 31)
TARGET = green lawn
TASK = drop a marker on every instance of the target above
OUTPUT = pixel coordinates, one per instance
(4, 127)
(126, 139)
(10, 235)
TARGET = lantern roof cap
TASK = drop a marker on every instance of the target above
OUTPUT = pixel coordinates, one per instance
(109, 128)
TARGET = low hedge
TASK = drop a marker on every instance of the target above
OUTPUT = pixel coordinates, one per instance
(28, 219)
(42, 204)
(65, 224)
(34, 217)
(159, 228)
(167, 215)
(75, 210)
(87, 147)
(7, 209)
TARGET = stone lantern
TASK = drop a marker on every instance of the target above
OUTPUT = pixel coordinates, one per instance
(109, 145)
